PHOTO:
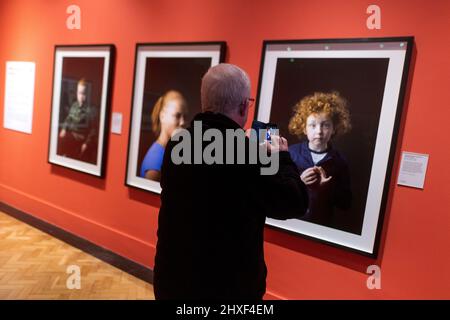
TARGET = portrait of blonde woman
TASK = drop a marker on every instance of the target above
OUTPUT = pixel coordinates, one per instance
(168, 114)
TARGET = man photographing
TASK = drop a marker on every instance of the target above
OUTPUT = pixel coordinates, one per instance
(212, 216)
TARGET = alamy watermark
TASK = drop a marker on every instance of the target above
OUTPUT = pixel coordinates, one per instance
(234, 143)
(373, 22)
(74, 280)
(374, 280)
(73, 21)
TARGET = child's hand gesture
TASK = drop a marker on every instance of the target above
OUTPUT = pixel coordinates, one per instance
(315, 176)
(323, 176)
(309, 176)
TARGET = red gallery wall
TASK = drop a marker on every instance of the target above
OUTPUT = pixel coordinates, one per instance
(414, 259)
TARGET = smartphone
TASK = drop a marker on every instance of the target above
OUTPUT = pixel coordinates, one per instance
(263, 128)
(271, 129)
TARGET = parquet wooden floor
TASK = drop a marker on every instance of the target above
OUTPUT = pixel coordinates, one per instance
(33, 265)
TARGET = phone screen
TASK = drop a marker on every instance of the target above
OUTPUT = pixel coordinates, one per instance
(271, 129)
(267, 128)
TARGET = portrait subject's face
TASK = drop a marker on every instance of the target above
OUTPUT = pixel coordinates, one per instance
(319, 129)
(81, 94)
(172, 117)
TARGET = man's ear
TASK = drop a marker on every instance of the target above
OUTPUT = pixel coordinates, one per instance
(243, 109)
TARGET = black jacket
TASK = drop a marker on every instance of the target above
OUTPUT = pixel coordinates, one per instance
(211, 223)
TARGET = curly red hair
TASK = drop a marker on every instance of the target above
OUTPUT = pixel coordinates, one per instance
(332, 104)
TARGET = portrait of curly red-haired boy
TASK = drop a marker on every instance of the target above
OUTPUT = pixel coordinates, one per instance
(317, 120)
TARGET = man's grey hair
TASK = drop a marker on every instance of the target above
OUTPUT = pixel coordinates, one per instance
(224, 88)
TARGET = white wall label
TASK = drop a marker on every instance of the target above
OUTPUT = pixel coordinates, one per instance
(19, 96)
(413, 169)
(116, 125)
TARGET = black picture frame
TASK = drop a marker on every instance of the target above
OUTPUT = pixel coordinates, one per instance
(93, 65)
(378, 67)
(175, 66)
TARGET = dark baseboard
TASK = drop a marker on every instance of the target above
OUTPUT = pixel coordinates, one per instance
(124, 264)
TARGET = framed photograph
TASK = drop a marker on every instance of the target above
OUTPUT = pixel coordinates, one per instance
(339, 103)
(166, 96)
(82, 79)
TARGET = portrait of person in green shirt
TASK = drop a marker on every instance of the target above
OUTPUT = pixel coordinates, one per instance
(78, 138)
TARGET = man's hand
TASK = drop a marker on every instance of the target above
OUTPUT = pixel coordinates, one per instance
(278, 144)
(62, 134)
(83, 147)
